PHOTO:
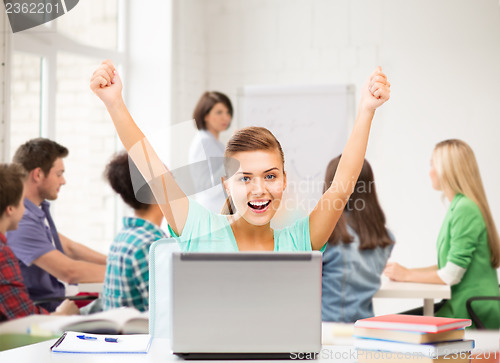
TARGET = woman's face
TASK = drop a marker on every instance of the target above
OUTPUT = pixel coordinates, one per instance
(218, 119)
(257, 186)
(436, 184)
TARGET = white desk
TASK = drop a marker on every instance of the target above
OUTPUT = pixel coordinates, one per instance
(91, 287)
(159, 352)
(412, 290)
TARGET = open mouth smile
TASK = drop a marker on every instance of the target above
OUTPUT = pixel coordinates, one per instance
(259, 206)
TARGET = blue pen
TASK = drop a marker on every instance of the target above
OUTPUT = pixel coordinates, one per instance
(86, 337)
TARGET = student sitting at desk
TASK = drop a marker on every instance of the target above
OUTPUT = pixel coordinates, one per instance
(14, 299)
(468, 245)
(255, 185)
(46, 257)
(356, 253)
(127, 270)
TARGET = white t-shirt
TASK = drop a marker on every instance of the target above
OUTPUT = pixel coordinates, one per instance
(207, 176)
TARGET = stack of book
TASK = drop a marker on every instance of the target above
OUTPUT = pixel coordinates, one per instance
(422, 339)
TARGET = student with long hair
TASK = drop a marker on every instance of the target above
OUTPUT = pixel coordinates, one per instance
(356, 253)
(254, 185)
(468, 245)
(212, 115)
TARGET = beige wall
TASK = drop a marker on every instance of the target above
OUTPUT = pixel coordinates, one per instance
(4, 93)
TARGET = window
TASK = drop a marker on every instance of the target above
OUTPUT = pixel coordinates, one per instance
(93, 23)
(50, 97)
(84, 127)
(25, 98)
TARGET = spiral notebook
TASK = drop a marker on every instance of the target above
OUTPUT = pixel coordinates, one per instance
(77, 342)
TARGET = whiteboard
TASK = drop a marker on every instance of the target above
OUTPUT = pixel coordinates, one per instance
(312, 123)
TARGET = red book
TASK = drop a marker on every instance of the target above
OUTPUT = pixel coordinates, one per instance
(426, 324)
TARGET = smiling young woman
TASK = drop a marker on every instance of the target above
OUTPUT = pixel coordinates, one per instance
(255, 180)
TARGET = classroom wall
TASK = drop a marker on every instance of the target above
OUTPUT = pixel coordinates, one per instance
(149, 69)
(442, 59)
(4, 75)
(189, 71)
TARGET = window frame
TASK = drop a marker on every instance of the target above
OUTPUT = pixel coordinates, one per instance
(47, 45)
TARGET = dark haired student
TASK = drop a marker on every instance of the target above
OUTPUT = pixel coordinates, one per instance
(127, 271)
(356, 253)
(212, 115)
(46, 256)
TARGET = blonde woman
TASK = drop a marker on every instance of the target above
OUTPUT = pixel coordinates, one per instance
(468, 245)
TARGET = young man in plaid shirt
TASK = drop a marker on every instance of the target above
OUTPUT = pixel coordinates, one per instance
(14, 299)
(127, 270)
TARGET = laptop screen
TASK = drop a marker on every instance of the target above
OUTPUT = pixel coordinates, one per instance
(246, 302)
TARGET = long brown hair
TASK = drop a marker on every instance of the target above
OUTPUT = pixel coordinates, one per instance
(362, 212)
(457, 171)
(247, 139)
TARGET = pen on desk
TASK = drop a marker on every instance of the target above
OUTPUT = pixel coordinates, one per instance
(86, 337)
(106, 339)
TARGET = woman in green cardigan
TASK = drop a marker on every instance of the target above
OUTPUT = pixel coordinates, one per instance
(468, 245)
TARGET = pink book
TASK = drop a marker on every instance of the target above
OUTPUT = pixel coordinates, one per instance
(426, 324)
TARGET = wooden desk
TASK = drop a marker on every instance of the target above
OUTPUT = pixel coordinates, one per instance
(413, 290)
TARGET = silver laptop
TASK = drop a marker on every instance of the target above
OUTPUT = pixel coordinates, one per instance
(246, 304)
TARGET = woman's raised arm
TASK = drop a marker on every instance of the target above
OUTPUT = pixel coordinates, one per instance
(107, 85)
(325, 215)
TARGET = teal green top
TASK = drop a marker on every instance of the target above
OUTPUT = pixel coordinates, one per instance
(206, 231)
(463, 240)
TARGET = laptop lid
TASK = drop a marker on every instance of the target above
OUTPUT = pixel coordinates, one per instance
(246, 302)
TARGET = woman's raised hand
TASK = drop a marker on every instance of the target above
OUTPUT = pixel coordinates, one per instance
(106, 83)
(376, 90)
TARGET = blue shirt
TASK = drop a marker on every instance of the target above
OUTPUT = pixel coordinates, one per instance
(127, 270)
(350, 279)
(32, 239)
(206, 231)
